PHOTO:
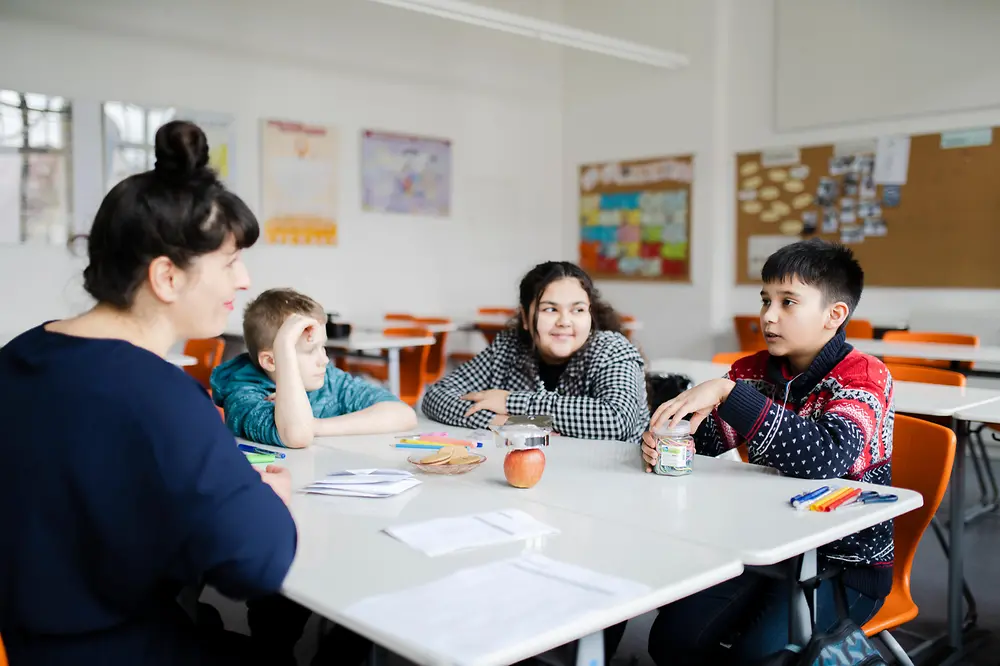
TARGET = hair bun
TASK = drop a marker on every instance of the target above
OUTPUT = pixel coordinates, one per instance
(181, 150)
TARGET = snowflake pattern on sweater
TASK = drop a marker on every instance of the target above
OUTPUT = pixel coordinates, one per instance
(835, 420)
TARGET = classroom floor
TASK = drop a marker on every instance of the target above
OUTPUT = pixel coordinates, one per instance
(929, 591)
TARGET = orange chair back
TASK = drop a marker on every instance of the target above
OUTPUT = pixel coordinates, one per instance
(412, 364)
(860, 328)
(437, 359)
(627, 319)
(925, 375)
(922, 456)
(728, 358)
(748, 333)
(398, 316)
(3, 654)
(937, 338)
(209, 355)
(506, 312)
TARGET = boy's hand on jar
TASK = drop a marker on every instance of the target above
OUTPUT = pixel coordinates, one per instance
(650, 453)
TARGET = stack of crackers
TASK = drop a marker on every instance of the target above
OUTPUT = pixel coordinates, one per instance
(450, 455)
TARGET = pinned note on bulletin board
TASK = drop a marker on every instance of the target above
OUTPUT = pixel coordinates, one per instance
(635, 219)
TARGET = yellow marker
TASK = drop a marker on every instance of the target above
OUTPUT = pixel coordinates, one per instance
(830, 499)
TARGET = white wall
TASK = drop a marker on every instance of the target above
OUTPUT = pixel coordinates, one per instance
(616, 110)
(353, 64)
(751, 126)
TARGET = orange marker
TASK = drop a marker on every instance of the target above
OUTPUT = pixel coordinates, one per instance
(829, 499)
(849, 497)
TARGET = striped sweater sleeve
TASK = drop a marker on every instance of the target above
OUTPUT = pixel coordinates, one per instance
(824, 448)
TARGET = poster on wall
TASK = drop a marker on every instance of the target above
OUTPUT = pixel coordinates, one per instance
(299, 183)
(407, 174)
(635, 219)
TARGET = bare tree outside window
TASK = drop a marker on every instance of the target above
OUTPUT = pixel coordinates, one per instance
(35, 168)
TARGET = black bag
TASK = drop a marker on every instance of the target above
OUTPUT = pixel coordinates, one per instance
(660, 388)
(845, 645)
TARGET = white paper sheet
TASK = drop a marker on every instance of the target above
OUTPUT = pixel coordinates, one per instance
(892, 159)
(364, 483)
(494, 608)
(447, 535)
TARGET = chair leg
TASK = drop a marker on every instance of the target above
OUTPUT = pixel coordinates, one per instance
(977, 467)
(894, 648)
(990, 475)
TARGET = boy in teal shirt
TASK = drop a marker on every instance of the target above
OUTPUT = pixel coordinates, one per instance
(284, 392)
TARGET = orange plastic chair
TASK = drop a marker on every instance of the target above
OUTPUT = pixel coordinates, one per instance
(437, 358)
(412, 365)
(398, 316)
(924, 375)
(209, 355)
(860, 329)
(627, 319)
(748, 332)
(728, 358)
(938, 338)
(922, 456)
(506, 312)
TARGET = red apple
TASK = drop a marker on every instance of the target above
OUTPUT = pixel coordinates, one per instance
(523, 467)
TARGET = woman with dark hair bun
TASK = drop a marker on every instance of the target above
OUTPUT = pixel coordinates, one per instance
(129, 487)
(563, 355)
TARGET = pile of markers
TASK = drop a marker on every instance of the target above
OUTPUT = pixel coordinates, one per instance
(828, 499)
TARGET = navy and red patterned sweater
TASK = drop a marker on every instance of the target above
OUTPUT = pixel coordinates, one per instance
(836, 422)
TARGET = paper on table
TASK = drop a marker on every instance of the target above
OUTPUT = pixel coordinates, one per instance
(446, 535)
(484, 611)
(364, 483)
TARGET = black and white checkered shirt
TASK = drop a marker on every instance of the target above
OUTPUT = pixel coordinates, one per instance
(600, 395)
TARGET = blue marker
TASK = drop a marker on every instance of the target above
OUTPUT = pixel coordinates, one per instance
(805, 499)
(250, 448)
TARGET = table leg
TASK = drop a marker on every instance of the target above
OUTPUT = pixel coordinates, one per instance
(394, 371)
(590, 650)
(956, 529)
(802, 619)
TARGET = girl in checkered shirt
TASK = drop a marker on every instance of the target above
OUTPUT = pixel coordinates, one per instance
(564, 355)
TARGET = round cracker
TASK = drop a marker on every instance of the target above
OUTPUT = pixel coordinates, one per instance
(464, 459)
(439, 457)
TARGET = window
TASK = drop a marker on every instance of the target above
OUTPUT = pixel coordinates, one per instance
(130, 139)
(35, 164)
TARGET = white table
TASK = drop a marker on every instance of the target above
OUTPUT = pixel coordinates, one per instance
(721, 505)
(377, 342)
(698, 371)
(343, 557)
(181, 360)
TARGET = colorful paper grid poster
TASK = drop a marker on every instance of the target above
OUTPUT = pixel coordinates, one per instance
(300, 183)
(405, 174)
(635, 219)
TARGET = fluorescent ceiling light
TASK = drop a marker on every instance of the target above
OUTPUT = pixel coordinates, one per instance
(554, 33)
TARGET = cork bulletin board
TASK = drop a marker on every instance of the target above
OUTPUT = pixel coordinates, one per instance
(918, 211)
(635, 219)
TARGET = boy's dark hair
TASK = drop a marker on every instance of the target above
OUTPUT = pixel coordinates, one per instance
(533, 285)
(830, 267)
(179, 210)
(265, 314)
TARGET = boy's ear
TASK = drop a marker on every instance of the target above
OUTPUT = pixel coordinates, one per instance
(839, 312)
(265, 358)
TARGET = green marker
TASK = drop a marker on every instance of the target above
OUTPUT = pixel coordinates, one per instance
(258, 458)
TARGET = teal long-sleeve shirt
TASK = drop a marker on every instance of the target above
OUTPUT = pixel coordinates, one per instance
(242, 390)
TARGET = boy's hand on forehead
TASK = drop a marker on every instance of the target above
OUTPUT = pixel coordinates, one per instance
(697, 402)
(295, 327)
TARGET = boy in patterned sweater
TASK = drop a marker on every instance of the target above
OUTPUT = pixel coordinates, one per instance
(811, 407)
